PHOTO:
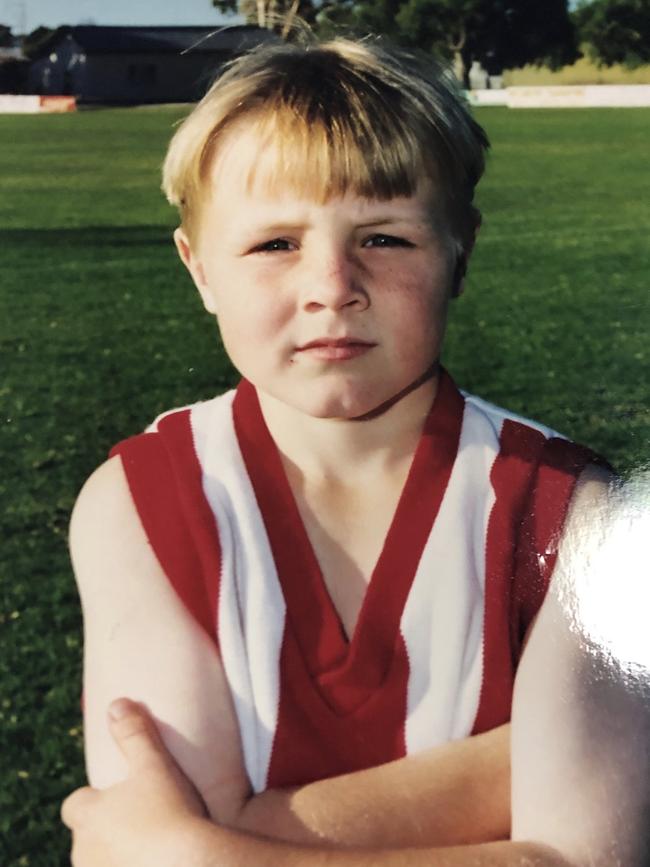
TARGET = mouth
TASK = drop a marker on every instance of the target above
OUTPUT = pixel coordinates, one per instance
(335, 348)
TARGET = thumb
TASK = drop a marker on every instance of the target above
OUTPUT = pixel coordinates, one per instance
(137, 736)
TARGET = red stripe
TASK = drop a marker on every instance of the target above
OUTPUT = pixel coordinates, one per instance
(379, 619)
(560, 465)
(309, 607)
(165, 480)
(533, 480)
(312, 745)
(510, 478)
(348, 674)
(177, 433)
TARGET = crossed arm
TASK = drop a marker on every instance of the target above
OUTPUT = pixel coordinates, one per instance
(456, 796)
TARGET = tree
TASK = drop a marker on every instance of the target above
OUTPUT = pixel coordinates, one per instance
(361, 18)
(445, 26)
(617, 31)
(326, 17)
(33, 41)
(498, 33)
(279, 15)
(501, 34)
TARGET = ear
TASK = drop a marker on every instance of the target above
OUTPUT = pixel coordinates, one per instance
(458, 281)
(195, 267)
(462, 260)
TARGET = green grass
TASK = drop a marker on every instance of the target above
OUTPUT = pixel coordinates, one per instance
(556, 318)
(100, 329)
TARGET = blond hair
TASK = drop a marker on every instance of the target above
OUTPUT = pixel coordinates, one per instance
(342, 116)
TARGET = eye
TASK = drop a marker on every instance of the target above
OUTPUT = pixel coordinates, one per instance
(386, 241)
(276, 245)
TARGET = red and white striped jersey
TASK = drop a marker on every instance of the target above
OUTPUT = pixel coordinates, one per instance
(464, 568)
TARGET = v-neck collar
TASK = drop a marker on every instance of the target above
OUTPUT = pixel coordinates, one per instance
(347, 672)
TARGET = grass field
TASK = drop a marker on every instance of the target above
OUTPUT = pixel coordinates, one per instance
(100, 329)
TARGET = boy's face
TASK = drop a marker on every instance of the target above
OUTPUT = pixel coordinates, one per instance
(334, 308)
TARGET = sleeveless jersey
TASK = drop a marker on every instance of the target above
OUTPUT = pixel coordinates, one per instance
(463, 571)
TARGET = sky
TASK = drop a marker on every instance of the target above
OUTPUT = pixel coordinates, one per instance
(26, 15)
(23, 16)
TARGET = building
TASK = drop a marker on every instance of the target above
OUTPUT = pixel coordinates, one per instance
(14, 67)
(134, 65)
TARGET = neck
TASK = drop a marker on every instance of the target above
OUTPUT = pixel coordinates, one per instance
(342, 450)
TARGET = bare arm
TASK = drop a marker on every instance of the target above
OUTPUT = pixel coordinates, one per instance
(544, 775)
(140, 642)
(581, 722)
(154, 819)
(454, 794)
(578, 744)
(581, 716)
(214, 847)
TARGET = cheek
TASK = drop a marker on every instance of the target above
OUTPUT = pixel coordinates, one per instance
(252, 301)
(416, 321)
(418, 308)
(249, 322)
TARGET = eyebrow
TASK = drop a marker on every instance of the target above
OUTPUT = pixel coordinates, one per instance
(387, 221)
(278, 227)
(381, 220)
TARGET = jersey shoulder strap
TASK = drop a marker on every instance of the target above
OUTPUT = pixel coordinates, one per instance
(165, 480)
(547, 503)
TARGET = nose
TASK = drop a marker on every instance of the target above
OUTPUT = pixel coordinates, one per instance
(333, 281)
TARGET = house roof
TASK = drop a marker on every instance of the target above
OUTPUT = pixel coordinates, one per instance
(160, 40)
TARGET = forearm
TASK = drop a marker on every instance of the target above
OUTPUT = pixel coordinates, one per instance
(217, 847)
(458, 793)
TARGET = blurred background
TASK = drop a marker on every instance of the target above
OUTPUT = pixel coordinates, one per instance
(101, 329)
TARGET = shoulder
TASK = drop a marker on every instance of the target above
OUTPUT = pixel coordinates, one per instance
(562, 504)
(144, 514)
(126, 577)
(142, 640)
(580, 702)
(104, 525)
(518, 445)
(587, 507)
(174, 442)
(201, 412)
(497, 416)
(590, 494)
(119, 578)
(531, 441)
(104, 496)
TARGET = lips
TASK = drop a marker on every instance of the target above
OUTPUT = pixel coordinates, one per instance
(335, 348)
(335, 342)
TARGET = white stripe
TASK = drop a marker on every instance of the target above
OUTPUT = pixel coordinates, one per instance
(498, 415)
(251, 605)
(442, 623)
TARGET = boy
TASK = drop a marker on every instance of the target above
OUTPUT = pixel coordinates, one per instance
(338, 565)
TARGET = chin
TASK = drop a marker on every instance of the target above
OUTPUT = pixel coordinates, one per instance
(342, 403)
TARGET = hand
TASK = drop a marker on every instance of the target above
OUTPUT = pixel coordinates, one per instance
(149, 818)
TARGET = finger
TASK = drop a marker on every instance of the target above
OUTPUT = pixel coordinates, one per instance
(76, 806)
(136, 735)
